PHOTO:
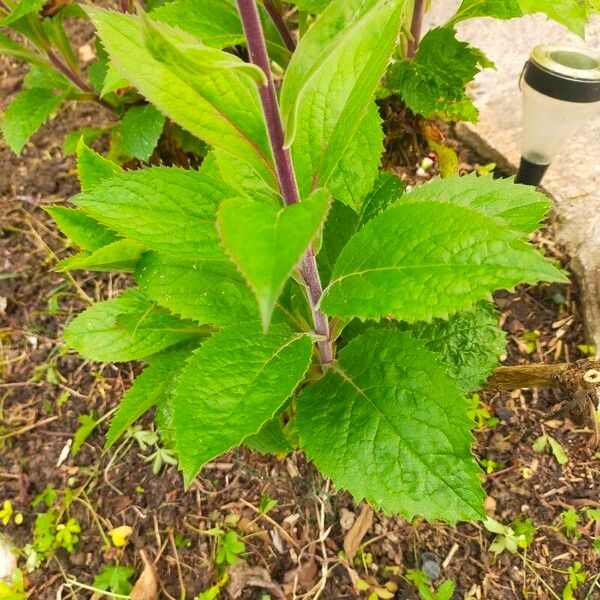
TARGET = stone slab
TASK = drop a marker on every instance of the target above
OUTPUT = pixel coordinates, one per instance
(573, 180)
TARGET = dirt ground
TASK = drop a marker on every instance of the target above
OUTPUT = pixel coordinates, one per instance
(294, 550)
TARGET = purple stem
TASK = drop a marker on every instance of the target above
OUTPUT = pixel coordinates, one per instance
(415, 28)
(283, 162)
(72, 76)
(4, 6)
(279, 23)
(69, 73)
(125, 6)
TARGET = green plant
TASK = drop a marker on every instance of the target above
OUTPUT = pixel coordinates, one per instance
(420, 580)
(570, 520)
(114, 578)
(52, 529)
(518, 535)
(15, 590)
(478, 412)
(575, 577)
(288, 293)
(559, 453)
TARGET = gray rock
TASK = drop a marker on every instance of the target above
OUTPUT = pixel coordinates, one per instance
(430, 565)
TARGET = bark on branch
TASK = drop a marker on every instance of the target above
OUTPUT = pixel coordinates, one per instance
(577, 385)
(585, 373)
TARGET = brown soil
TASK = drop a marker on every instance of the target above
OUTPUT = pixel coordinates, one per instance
(299, 541)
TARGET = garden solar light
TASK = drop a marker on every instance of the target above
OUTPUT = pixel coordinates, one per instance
(561, 91)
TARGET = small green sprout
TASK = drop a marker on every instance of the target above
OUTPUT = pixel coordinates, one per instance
(575, 578)
(115, 579)
(420, 580)
(478, 412)
(570, 520)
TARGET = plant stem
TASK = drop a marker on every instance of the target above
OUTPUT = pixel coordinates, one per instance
(69, 73)
(257, 50)
(415, 28)
(75, 79)
(279, 23)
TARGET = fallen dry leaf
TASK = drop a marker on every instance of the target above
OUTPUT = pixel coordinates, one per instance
(146, 587)
(301, 579)
(243, 576)
(358, 531)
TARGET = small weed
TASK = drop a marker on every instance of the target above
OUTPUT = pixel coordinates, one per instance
(511, 538)
(575, 578)
(15, 590)
(267, 504)
(115, 579)
(491, 466)
(559, 453)
(444, 592)
(570, 520)
(478, 412)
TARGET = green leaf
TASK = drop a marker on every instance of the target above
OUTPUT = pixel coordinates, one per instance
(234, 383)
(432, 83)
(469, 342)
(215, 22)
(343, 222)
(388, 424)
(208, 291)
(570, 13)
(500, 9)
(88, 134)
(219, 104)
(22, 8)
(93, 169)
(45, 77)
(122, 255)
(87, 424)
(266, 243)
(141, 127)
(113, 81)
(341, 225)
(240, 176)
(421, 260)
(562, 458)
(270, 439)
(115, 579)
(150, 388)
(448, 160)
(330, 82)
(357, 169)
(26, 114)
(312, 6)
(387, 189)
(82, 230)
(521, 207)
(167, 209)
(98, 334)
(12, 48)
(230, 547)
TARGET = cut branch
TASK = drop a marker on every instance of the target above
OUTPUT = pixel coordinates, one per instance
(257, 50)
(584, 372)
